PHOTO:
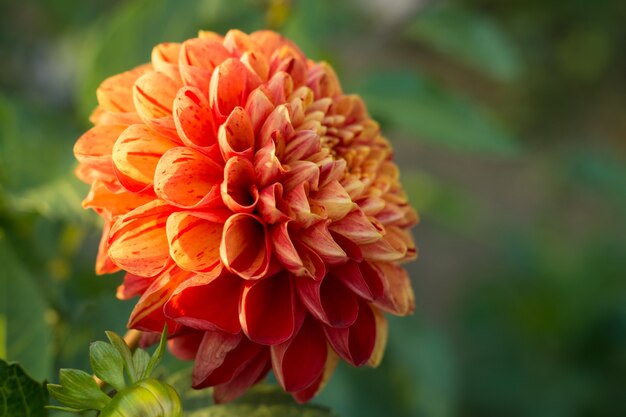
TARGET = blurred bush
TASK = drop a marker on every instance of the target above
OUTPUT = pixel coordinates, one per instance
(508, 122)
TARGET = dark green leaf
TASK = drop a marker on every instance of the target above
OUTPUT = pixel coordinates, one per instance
(124, 350)
(20, 395)
(469, 37)
(78, 390)
(411, 103)
(107, 364)
(23, 309)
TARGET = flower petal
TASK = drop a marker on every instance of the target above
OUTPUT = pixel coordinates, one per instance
(230, 85)
(358, 228)
(138, 242)
(334, 199)
(187, 178)
(136, 155)
(153, 95)
(165, 59)
(236, 137)
(309, 392)
(184, 344)
(319, 239)
(364, 279)
(198, 58)
(95, 146)
(193, 118)
(115, 93)
(117, 203)
(193, 241)
(268, 312)
(398, 298)
(328, 300)
(356, 343)
(271, 206)
(252, 373)
(295, 257)
(258, 107)
(300, 361)
(207, 303)
(301, 172)
(133, 286)
(239, 191)
(245, 247)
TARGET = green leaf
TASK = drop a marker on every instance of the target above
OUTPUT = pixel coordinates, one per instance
(78, 390)
(158, 353)
(141, 359)
(20, 395)
(107, 364)
(22, 307)
(124, 350)
(432, 114)
(470, 37)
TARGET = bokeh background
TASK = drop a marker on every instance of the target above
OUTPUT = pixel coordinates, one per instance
(509, 121)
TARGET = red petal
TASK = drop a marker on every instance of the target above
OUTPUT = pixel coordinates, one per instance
(239, 191)
(319, 239)
(136, 155)
(271, 206)
(185, 345)
(295, 257)
(193, 118)
(298, 203)
(187, 178)
(250, 375)
(194, 241)
(138, 242)
(268, 312)
(133, 286)
(221, 358)
(328, 300)
(356, 343)
(398, 298)
(207, 303)
(300, 361)
(236, 137)
(245, 247)
(364, 279)
(306, 394)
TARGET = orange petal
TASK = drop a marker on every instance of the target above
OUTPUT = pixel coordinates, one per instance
(187, 178)
(381, 339)
(104, 264)
(153, 95)
(300, 361)
(193, 119)
(94, 147)
(198, 59)
(194, 242)
(117, 203)
(136, 155)
(290, 61)
(237, 42)
(334, 199)
(133, 286)
(230, 85)
(277, 128)
(115, 93)
(298, 203)
(301, 172)
(304, 144)
(148, 312)
(398, 298)
(388, 249)
(258, 107)
(357, 227)
(319, 239)
(323, 80)
(280, 87)
(256, 63)
(236, 137)
(267, 166)
(245, 247)
(138, 242)
(268, 311)
(165, 59)
(239, 191)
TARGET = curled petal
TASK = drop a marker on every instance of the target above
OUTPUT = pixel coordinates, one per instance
(271, 206)
(388, 249)
(136, 155)
(198, 57)
(304, 144)
(239, 192)
(258, 107)
(238, 42)
(301, 172)
(364, 279)
(115, 93)
(117, 202)
(137, 241)
(212, 352)
(165, 59)
(104, 264)
(193, 241)
(245, 247)
(358, 228)
(298, 203)
(398, 298)
(230, 85)
(356, 344)
(193, 118)
(280, 87)
(277, 128)
(268, 311)
(256, 63)
(319, 239)
(148, 312)
(187, 178)
(153, 95)
(294, 256)
(207, 302)
(328, 300)
(133, 286)
(267, 166)
(236, 137)
(323, 80)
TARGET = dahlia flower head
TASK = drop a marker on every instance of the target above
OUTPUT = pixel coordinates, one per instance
(255, 209)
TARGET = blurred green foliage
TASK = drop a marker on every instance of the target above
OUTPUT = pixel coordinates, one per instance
(508, 122)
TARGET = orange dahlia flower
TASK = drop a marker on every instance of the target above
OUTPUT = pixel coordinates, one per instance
(255, 209)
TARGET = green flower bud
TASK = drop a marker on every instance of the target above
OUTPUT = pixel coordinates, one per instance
(146, 398)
